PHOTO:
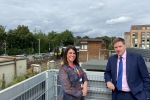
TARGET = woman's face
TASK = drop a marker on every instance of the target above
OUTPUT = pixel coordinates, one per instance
(71, 55)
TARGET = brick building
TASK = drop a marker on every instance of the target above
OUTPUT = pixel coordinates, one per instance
(91, 49)
(139, 36)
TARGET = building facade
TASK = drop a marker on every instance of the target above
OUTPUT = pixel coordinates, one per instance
(138, 37)
(11, 67)
(91, 49)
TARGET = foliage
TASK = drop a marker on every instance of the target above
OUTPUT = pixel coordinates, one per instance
(78, 37)
(22, 40)
(30, 72)
(110, 47)
(2, 33)
(108, 41)
(85, 37)
(43, 39)
(17, 79)
(2, 82)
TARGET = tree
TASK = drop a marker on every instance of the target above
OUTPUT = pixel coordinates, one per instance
(78, 37)
(20, 40)
(106, 39)
(67, 38)
(43, 41)
(51, 36)
(86, 37)
(77, 40)
(3, 37)
(64, 39)
(2, 33)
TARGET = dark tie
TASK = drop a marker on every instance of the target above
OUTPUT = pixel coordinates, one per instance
(119, 81)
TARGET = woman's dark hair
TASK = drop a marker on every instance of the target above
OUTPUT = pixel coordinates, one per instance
(76, 61)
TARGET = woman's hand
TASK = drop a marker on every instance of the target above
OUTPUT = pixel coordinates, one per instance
(84, 88)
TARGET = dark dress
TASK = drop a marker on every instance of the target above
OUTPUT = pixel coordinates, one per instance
(70, 83)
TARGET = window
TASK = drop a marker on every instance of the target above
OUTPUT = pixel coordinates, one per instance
(136, 41)
(135, 45)
(143, 41)
(133, 35)
(136, 28)
(148, 27)
(148, 35)
(84, 46)
(143, 45)
(143, 28)
(143, 33)
(148, 41)
(147, 46)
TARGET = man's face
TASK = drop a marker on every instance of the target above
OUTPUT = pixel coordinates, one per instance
(120, 48)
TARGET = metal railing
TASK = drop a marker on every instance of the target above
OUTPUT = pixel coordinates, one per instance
(45, 86)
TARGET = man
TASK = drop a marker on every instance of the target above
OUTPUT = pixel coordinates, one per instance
(126, 74)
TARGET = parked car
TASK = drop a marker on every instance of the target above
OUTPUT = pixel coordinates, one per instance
(22, 54)
(4, 54)
(46, 55)
(37, 56)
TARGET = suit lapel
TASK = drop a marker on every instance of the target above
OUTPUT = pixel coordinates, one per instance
(128, 60)
(115, 60)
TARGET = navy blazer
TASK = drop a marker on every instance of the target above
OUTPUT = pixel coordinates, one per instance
(138, 78)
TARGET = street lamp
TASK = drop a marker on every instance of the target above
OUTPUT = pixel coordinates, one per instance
(49, 47)
(32, 46)
(5, 46)
(39, 46)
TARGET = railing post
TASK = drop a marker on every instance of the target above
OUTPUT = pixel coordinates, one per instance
(46, 86)
(87, 56)
(55, 85)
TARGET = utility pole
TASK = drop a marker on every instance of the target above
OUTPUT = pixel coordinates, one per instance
(32, 46)
(49, 47)
(39, 46)
(5, 46)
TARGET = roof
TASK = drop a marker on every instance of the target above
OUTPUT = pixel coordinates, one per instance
(141, 25)
(95, 65)
(90, 39)
(10, 58)
(101, 65)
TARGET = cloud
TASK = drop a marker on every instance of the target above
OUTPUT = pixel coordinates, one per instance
(26, 22)
(92, 18)
(80, 29)
(98, 6)
(119, 20)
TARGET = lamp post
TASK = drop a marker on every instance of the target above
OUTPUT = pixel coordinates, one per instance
(32, 46)
(39, 46)
(5, 46)
(49, 47)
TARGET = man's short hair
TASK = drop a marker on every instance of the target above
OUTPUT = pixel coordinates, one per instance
(118, 39)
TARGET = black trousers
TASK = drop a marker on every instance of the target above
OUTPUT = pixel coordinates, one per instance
(121, 95)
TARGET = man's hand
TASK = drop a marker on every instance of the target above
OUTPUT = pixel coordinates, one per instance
(110, 85)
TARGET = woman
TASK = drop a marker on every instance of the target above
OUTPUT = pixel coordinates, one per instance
(71, 76)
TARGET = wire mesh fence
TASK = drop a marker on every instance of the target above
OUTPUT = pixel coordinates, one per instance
(45, 86)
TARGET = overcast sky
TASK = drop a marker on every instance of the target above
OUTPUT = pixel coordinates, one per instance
(93, 18)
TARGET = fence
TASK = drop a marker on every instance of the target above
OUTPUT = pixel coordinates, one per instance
(144, 52)
(45, 86)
